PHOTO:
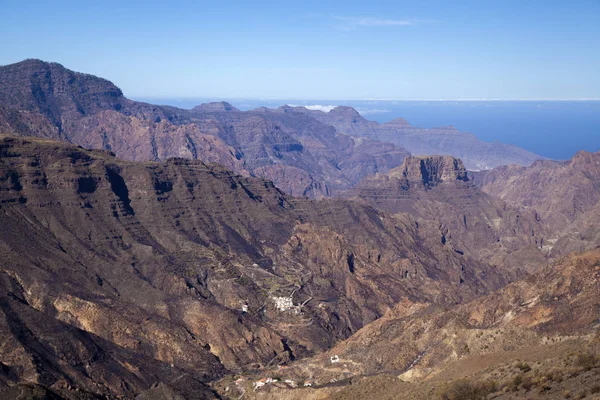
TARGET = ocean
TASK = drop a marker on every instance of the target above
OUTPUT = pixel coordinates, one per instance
(554, 129)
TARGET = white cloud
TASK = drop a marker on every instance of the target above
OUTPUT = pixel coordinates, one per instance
(317, 107)
(327, 108)
(320, 107)
(373, 21)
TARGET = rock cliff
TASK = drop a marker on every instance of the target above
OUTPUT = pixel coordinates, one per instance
(438, 191)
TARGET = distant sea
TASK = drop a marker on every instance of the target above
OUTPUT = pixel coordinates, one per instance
(554, 129)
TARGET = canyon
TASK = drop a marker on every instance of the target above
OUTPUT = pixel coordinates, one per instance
(153, 252)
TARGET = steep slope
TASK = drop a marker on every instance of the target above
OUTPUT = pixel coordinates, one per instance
(439, 192)
(47, 100)
(533, 333)
(191, 270)
(561, 300)
(476, 154)
(565, 194)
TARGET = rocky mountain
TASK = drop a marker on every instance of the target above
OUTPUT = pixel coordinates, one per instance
(439, 192)
(536, 338)
(475, 153)
(117, 275)
(219, 106)
(565, 194)
(156, 253)
(301, 155)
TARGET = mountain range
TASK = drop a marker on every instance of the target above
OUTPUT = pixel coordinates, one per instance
(476, 154)
(152, 252)
(303, 152)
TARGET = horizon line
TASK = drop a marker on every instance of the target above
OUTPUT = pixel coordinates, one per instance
(220, 98)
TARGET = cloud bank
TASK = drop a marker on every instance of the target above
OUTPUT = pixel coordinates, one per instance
(327, 108)
(319, 107)
(315, 107)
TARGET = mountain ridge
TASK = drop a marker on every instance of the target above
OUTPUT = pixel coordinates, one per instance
(476, 154)
(48, 100)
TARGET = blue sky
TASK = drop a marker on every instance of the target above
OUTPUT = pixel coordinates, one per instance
(316, 49)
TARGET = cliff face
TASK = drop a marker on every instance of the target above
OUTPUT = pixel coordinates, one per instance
(52, 90)
(188, 264)
(47, 100)
(438, 191)
(431, 170)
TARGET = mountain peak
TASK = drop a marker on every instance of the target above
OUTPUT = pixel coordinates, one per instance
(398, 123)
(431, 170)
(345, 110)
(287, 109)
(37, 85)
(32, 61)
(216, 106)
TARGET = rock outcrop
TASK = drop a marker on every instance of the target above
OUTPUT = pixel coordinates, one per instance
(430, 170)
(219, 106)
(438, 191)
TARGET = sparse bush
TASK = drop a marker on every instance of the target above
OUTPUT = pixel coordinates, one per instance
(463, 350)
(545, 388)
(581, 395)
(527, 383)
(595, 389)
(586, 361)
(524, 367)
(555, 376)
(465, 390)
(514, 383)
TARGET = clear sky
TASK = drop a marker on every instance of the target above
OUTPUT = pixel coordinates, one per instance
(317, 49)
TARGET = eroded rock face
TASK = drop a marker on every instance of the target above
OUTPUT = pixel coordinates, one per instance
(430, 170)
(565, 194)
(438, 191)
(47, 100)
(185, 264)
